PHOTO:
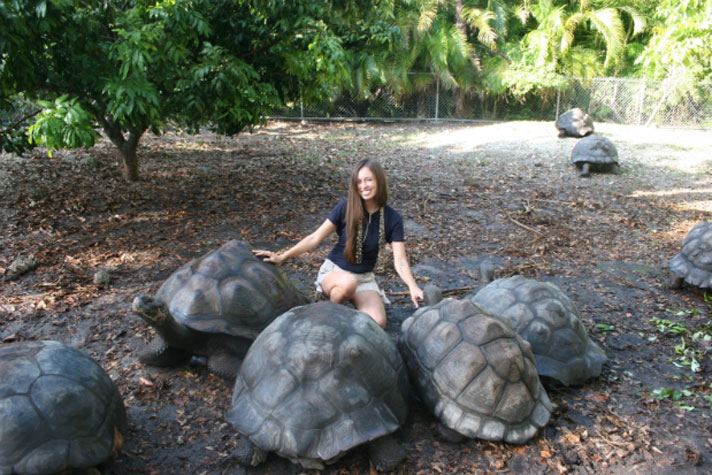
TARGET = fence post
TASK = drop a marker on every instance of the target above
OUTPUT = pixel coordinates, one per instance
(641, 102)
(558, 101)
(437, 96)
(301, 109)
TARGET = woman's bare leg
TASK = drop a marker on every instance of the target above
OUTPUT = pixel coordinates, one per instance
(371, 302)
(339, 286)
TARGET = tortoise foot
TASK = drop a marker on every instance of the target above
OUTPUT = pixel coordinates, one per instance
(248, 454)
(158, 353)
(450, 435)
(385, 454)
(224, 365)
(675, 282)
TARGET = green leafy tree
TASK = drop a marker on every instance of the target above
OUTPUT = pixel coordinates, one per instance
(575, 39)
(681, 42)
(132, 66)
(442, 40)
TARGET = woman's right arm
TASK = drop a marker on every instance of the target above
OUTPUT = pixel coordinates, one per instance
(307, 244)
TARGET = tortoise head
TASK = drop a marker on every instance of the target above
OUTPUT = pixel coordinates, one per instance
(150, 310)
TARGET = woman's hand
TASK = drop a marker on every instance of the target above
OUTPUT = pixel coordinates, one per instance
(416, 294)
(268, 256)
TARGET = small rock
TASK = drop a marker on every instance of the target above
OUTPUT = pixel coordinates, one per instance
(101, 278)
(21, 265)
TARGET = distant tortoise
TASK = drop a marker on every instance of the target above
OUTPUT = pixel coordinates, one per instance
(59, 410)
(693, 264)
(214, 306)
(474, 372)
(544, 316)
(320, 380)
(574, 123)
(594, 153)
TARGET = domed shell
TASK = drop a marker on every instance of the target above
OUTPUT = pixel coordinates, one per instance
(694, 262)
(574, 123)
(596, 150)
(229, 291)
(544, 316)
(318, 381)
(59, 409)
(475, 373)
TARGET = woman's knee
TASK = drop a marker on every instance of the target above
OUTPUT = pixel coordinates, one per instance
(339, 286)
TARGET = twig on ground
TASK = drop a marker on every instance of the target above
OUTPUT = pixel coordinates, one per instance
(524, 226)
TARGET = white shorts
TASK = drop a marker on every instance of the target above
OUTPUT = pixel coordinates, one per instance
(365, 281)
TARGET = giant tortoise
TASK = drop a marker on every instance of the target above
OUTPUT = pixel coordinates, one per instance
(474, 372)
(693, 264)
(319, 381)
(214, 306)
(59, 410)
(544, 316)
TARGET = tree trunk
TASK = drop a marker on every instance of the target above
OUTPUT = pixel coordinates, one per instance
(461, 109)
(127, 147)
(130, 162)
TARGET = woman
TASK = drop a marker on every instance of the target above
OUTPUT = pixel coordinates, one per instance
(364, 222)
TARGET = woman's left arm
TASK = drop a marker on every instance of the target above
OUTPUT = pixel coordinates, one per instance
(400, 262)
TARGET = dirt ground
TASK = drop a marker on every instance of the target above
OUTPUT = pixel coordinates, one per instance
(505, 192)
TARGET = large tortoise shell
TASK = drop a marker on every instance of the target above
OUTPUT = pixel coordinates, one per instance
(544, 316)
(694, 262)
(319, 380)
(59, 409)
(475, 373)
(229, 291)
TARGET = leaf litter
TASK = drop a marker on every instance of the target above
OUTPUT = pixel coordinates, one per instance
(503, 192)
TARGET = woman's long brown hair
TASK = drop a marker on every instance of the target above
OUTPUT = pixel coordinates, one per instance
(355, 208)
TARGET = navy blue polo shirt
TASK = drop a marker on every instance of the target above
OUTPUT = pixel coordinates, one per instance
(394, 233)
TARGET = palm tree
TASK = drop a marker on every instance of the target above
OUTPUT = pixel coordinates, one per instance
(575, 39)
(444, 40)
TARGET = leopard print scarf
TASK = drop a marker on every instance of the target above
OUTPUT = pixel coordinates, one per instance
(361, 235)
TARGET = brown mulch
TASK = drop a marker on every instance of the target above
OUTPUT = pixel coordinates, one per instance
(505, 192)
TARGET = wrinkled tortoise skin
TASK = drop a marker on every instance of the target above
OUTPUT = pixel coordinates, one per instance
(229, 291)
(474, 372)
(59, 410)
(694, 262)
(544, 316)
(318, 381)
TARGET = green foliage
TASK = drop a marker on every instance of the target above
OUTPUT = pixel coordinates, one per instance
(681, 43)
(128, 67)
(522, 79)
(63, 123)
(689, 352)
(664, 325)
(679, 397)
(604, 327)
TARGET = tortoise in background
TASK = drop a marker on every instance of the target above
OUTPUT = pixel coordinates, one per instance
(319, 381)
(474, 372)
(59, 410)
(215, 306)
(544, 316)
(693, 264)
(574, 123)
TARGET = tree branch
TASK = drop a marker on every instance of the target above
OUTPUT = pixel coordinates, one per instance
(19, 121)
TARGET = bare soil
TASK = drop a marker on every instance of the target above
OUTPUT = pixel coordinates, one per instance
(505, 192)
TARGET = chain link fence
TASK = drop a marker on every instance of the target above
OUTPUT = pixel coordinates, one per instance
(617, 100)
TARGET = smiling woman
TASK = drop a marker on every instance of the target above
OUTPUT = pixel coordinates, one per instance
(364, 222)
